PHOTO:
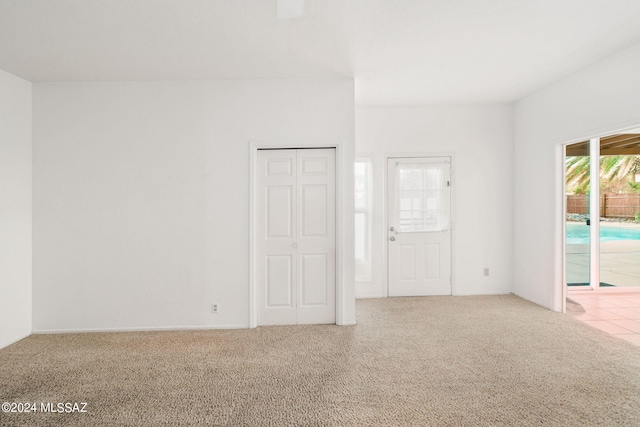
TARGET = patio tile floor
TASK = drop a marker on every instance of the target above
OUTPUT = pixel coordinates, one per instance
(616, 313)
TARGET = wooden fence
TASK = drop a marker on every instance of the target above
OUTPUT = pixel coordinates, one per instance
(611, 205)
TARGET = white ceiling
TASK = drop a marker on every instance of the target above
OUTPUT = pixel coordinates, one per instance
(399, 51)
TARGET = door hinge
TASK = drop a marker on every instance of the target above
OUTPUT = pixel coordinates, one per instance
(448, 183)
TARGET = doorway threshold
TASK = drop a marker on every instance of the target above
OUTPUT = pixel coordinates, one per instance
(616, 313)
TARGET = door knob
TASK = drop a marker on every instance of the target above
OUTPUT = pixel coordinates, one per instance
(392, 238)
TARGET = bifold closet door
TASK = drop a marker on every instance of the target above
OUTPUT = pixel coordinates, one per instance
(296, 236)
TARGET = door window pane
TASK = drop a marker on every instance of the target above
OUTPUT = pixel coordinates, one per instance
(421, 194)
(577, 240)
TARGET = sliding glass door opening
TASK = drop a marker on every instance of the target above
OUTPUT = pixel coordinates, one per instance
(602, 212)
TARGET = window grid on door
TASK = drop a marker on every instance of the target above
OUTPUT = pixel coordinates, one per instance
(421, 194)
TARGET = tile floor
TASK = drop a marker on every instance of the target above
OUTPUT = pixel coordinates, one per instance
(617, 313)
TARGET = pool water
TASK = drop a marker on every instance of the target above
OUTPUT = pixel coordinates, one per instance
(579, 234)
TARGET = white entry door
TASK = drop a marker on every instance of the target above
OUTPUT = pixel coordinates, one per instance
(296, 236)
(419, 227)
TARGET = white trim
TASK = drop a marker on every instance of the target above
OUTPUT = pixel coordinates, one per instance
(560, 291)
(253, 304)
(478, 294)
(385, 213)
(594, 213)
(532, 300)
(368, 295)
(454, 221)
(13, 340)
(385, 227)
(348, 324)
(141, 329)
(254, 146)
(340, 232)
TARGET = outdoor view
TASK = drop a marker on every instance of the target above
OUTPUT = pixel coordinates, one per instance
(619, 214)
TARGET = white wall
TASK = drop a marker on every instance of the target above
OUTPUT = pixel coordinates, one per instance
(15, 208)
(141, 190)
(481, 141)
(596, 101)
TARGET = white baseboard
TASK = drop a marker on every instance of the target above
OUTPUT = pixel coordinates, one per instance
(347, 324)
(140, 329)
(532, 301)
(479, 294)
(13, 340)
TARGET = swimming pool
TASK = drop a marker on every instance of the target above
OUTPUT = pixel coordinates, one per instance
(579, 233)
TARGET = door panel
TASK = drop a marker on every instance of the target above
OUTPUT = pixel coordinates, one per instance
(314, 166)
(314, 210)
(295, 228)
(279, 280)
(279, 211)
(280, 167)
(317, 236)
(432, 261)
(419, 245)
(314, 280)
(407, 262)
(275, 231)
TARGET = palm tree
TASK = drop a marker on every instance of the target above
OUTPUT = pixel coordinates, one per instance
(616, 173)
(577, 170)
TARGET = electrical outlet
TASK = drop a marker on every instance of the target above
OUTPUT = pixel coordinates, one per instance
(214, 307)
(486, 271)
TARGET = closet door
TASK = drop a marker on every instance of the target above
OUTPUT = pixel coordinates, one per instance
(296, 256)
(316, 237)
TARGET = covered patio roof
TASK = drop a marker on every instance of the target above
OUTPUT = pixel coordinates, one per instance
(613, 145)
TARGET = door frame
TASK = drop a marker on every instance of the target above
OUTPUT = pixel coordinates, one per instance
(254, 146)
(385, 203)
(560, 288)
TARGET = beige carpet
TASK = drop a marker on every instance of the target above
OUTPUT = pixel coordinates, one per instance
(458, 361)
